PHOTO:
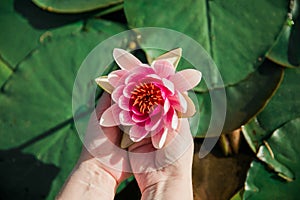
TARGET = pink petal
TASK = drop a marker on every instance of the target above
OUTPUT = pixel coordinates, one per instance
(117, 93)
(153, 78)
(139, 118)
(172, 56)
(157, 109)
(136, 110)
(125, 118)
(154, 119)
(191, 110)
(172, 119)
(125, 59)
(110, 117)
(104, 84)
(115, 77)
(159, 139)
(163, 68)
(153, 123)
(124, 103)
(183, 103)
(186, 79)
(137, 133)
(128, 89)
(168, 84)
(139, 73)
(166, 106)
(178, 102)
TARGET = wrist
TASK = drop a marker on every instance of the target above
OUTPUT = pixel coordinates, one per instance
(89, 181)
(179, 188)
(97, 175)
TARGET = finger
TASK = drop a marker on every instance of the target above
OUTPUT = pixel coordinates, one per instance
(143, 146)
(183, 131)
(103, 103)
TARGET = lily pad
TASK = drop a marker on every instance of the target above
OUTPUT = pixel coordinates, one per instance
(51, 157)
(283, 107)
(286, 50)
(77, 6)
(244, 100)
(235, 33)
(263, 183)
(36, 106)
(5, 72)
(25, 26)
(254, 134)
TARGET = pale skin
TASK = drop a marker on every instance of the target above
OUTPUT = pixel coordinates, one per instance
(90, 179)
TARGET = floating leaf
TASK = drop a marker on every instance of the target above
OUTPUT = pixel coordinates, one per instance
(36, 108)
(25, 27)
(286, 50)
(49, 158)
(244, 100)
(283, 107)
(5, 72)
(76, 6)
(254, 134)
(237, 34)
(262, 183)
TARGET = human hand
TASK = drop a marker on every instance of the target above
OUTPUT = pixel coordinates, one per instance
(102, 167)
(172, 179)
(161, 174)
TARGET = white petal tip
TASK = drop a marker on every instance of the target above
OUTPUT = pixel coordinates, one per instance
(125, 60)
(102, 122)
(104, 84)
(172, 56)
(162, 140)
(135, 139)
(118, 51)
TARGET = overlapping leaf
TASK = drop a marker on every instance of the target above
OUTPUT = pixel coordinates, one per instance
(283, 107)
(77, 6)
(274, 135)
(263, 183)
(235, 33)
(5, 72)
(286, 50)
(244, 100)
(40, 94)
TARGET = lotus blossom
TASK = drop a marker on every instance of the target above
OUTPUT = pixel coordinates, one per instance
(148, 99)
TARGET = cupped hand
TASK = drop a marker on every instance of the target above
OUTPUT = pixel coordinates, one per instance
(103, 144)
(102, 164)
(165, 173)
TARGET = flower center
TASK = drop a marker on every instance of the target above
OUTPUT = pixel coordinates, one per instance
(146, 96)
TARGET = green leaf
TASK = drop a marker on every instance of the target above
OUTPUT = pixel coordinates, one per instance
(286, 51)
(262, 183)
(244, 100)
(36, 122)
(238, 195)
(77, 6)
(266, 153)
(237, 34)
(5, 72)
(283, 107)
(124, 184)
(18, 34)
(254, 134)
(38, 168)
(25, 26)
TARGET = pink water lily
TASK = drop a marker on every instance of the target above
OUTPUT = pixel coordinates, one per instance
(148, 99)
